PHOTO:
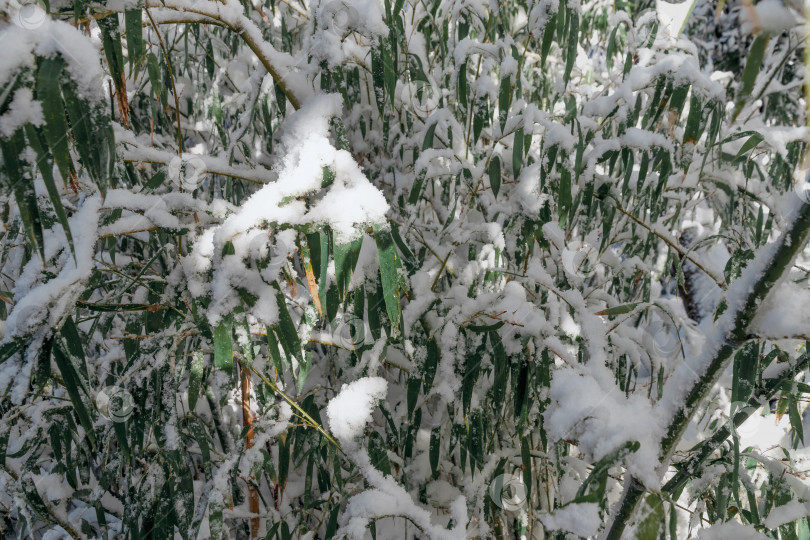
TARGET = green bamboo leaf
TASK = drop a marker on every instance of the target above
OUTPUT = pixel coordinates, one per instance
(678, 99)
(564, 196)
(401, 245)
(43, 372)
(472, 369)
(651, 524)
(286, 331)
(517, 154)
(156, 181)
(495, 174)
(75, 347)
(748, 145)
(691, 133)
(53, 110)
(73, 385)
(611, 46)
(431, 363)
(7, 350)
(548, 38)
(501, 364)
(378, 76)
(154, 77)
(303, 371)
(504, 100)
(521, 384)
(345, 261)
(573, 41)
(416, 190)
(745, 370)
(36, 140)
(223, 344)
(18, 175)
(479, 118)
(619, 310)
(215, 520)
(378, 453)
(753, 64)
(428, 141)
(389, 275)
(462, 86)
(332, 524)
(92, 134)
(600, 470)
(795, 418)
(34, 499)
(111, 39)
(390, 72)
(284, 460)
(135, 49)
(275, 354)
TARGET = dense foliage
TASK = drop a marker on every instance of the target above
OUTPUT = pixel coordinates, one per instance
(435, 269)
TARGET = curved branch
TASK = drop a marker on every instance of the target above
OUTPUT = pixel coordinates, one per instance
(743, 299)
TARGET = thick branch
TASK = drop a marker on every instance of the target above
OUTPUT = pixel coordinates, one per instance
(707, 448)
(743, 299)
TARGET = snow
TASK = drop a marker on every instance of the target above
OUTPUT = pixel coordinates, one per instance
(770, 16)
(351, 409)
(228, 229)
(673, 15)
(347, 206)
(47, 38)
(23, 109)
(784, 313)
(730, 529)
(50, 301)
(792, 511)
(581, 519)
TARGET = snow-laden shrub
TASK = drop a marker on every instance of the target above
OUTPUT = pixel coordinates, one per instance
(348, 268)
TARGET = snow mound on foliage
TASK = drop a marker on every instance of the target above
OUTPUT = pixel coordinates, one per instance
(730, 529)
(580, 519)
(298, 199)
(351, 409)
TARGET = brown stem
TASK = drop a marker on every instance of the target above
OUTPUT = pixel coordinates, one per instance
(247, 421)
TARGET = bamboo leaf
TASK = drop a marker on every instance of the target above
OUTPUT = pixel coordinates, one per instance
(651, 524)
(345, 261)
(93, 135)
(72, 385)
(573, 41)
(753, 64)
(223, 344)
(378, 453)
(495, 175)
(135, 47)
(389, 275)
(517, 154)
(286, 331)
(619, 310)
(22, 185)
(53, 111)
(35, 139)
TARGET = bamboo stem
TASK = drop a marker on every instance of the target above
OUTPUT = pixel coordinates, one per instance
(789, 244)
(247, 421)
(766, 392)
